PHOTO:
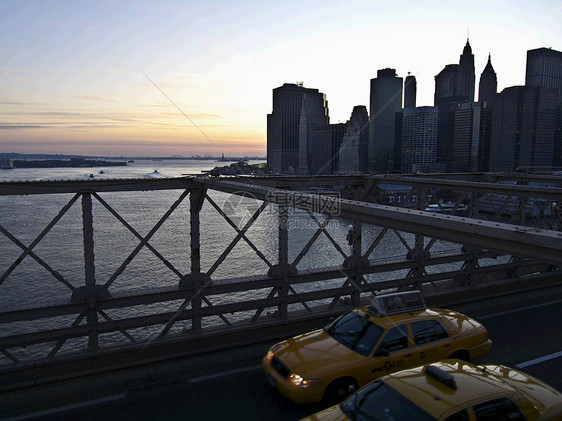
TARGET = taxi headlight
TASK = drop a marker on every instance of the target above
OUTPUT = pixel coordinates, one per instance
(303, 383)
(269, 356)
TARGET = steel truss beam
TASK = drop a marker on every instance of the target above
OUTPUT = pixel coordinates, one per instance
(285, 293)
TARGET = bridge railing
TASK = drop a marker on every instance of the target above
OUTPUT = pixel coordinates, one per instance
(96, 268)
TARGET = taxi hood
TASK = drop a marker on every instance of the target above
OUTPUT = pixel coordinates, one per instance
(314, 352)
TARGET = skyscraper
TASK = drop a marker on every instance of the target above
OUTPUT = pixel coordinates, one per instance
(488, 86)
(523, 128)
(296, 111)
(467, 137)
(487, 92)
(326, 141)
(454, 85)
(410, 89)
(419, 139)
(355, 142)
(544, 68)
(465, 77)
(385, 102)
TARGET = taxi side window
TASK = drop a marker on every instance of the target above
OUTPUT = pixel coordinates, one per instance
(395, 339)
(502, 409)
(428, 331)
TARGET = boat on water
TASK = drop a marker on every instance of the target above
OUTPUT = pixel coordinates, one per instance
(447, 207)
(154, 174)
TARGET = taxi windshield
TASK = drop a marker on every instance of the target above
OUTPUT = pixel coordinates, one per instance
(355, 332)
(379, 401)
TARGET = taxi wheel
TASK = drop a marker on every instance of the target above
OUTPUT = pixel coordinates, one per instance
(340, 389)
(461, 355)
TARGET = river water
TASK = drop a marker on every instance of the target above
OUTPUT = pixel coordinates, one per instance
(29, 284)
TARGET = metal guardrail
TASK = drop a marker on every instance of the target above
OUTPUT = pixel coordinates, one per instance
(199, 309)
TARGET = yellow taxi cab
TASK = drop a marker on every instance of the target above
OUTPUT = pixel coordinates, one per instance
(451, 390)
(395, 332)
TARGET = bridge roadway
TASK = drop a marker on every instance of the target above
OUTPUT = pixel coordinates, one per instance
(525, 329)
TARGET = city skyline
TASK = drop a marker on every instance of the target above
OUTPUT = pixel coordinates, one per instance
(181, 78)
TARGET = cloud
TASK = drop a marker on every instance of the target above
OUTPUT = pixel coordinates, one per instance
(9, 126)
(95, 98)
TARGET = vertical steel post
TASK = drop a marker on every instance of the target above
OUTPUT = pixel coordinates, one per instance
(284, 257)
(418, 251)
(194, 232)
(357, 257)
(89, 265)
(196, 202)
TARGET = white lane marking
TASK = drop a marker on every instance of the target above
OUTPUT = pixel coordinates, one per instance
(516, 310)
(67, 407)
(224, 374)
(539, 360)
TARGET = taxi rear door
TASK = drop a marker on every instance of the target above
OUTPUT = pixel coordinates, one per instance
(393, 353)
(431, 341)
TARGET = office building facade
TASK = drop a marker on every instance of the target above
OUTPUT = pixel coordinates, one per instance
(385, 103)
(419, 139)
(296, 111)
(544, 68)
(523, 124)
(326, 142)
(353, 151)
(454, 85)
(410, 91)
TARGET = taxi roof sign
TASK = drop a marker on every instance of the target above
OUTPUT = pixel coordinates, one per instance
(400, 302)
(441, 376)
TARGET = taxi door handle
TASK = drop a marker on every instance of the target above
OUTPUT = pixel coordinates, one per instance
(446, 346)
(407, 356)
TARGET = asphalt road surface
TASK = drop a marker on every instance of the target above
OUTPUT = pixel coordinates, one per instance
(525, 335)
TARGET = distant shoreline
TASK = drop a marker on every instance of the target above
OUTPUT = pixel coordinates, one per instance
(64, 163)
(19, 156)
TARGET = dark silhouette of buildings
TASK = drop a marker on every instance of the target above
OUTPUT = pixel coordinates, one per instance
(465, 77)
(385, 102)
(488, 86)
(454, 85)
(355, 143)
(296, 111)
(410, 90)
(326, 141)
(522, 128)
(519, 127)
(544, 68)
(419, 139)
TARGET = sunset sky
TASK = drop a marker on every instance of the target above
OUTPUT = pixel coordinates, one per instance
(152, 78)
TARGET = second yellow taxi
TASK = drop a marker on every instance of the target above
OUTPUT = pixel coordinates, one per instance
(450, 390)
(395, 332)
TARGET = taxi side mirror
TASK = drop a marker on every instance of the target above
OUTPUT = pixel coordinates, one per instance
(382, 352)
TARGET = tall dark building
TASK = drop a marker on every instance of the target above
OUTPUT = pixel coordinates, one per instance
(487, 92)
(419, 139)
(385, 102)
(488, 86)
(467, 137)
(544, 68)
(465, 77)
(410, 91)
(454, 85)
(355, 143)
(456, 81)
(523, 124)
(326, 142)
(446, 85)
(296, 111)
